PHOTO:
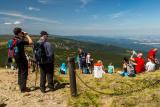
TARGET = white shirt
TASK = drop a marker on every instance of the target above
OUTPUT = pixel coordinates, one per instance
(98, 71)
(150, 66)
(88, 59)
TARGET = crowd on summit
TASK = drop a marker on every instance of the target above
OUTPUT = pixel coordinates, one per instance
(44, 57)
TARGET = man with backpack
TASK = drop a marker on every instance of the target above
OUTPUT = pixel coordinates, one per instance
(45, 58)
(17, 47)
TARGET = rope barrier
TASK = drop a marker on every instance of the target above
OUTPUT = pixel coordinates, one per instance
(122, 91)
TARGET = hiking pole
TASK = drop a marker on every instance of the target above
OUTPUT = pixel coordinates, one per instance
(36, 74)
(35, 69)
(72, 76)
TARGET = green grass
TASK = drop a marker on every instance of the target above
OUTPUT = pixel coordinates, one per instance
(114, 87)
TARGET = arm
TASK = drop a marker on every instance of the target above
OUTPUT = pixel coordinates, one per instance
(29, 39)
(132, 59)
(146, 67)
(113, 68)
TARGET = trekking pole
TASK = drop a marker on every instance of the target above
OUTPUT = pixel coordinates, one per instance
(36, 74)
(35, 69)
(72, 76)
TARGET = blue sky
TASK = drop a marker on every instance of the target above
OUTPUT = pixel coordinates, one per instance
(81, 17)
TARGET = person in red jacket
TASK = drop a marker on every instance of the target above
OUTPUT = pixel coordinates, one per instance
(152, 54)
(139, 63)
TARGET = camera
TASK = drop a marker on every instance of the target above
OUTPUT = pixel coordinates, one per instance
(22, 33)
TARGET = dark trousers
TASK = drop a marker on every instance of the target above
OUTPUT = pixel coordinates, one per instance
(46, 70)
(22, 73)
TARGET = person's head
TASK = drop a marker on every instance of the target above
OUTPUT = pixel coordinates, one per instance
(44, 35)
(150, 60)
(89, 54)
(155, 49)
(18, 32)
(139, 55)
(99, 62)
(111, 64)
(125, 60)
(80, 50)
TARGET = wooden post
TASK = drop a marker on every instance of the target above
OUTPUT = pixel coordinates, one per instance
(72, 76)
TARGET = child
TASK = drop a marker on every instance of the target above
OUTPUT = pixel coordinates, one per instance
(110, 68)
(98, 69)
(63, 69)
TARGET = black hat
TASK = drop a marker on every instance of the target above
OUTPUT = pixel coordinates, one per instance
(43, 33)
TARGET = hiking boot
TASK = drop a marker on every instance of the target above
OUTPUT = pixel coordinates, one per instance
(25, 90)
(51, 87)
(43, 90)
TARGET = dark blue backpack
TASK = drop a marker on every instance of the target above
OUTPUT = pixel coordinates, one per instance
(39, 52)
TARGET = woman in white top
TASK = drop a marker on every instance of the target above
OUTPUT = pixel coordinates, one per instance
(150, 65)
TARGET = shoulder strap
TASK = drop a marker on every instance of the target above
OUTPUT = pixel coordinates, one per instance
(14, 41)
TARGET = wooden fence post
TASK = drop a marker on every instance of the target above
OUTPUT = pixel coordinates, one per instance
(72, 76)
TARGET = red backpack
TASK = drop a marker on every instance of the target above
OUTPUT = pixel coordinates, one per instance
(12, 48)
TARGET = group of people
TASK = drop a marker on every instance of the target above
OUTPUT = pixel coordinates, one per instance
(44, 57)
(85, 61)
(43, 54)
(137, 64)
(131, 66)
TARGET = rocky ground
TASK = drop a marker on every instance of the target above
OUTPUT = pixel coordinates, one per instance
(10, 95)
(142, 91)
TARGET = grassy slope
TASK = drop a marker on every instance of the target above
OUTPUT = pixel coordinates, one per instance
(115, 84)
(67, 47)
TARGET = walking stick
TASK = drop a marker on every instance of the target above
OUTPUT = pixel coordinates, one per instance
(36, 74)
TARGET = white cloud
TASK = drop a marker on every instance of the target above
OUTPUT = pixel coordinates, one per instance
(118, 14)
(33, 8)
(17, 22)
(7, 23)
(84, 3)
(13, 23)
(29, 17)
(43, 1)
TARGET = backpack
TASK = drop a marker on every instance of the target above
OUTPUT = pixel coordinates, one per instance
(12, 48)
(39, 52)
(131, 72)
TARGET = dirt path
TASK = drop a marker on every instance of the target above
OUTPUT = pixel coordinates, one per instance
(10, 95)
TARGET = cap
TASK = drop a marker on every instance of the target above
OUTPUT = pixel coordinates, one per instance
(43, 33)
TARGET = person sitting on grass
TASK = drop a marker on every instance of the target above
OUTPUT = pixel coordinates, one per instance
(98, 69)
(139, 63)
(110, 68)
(128, 69)
(150, 65)
(63, 69)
